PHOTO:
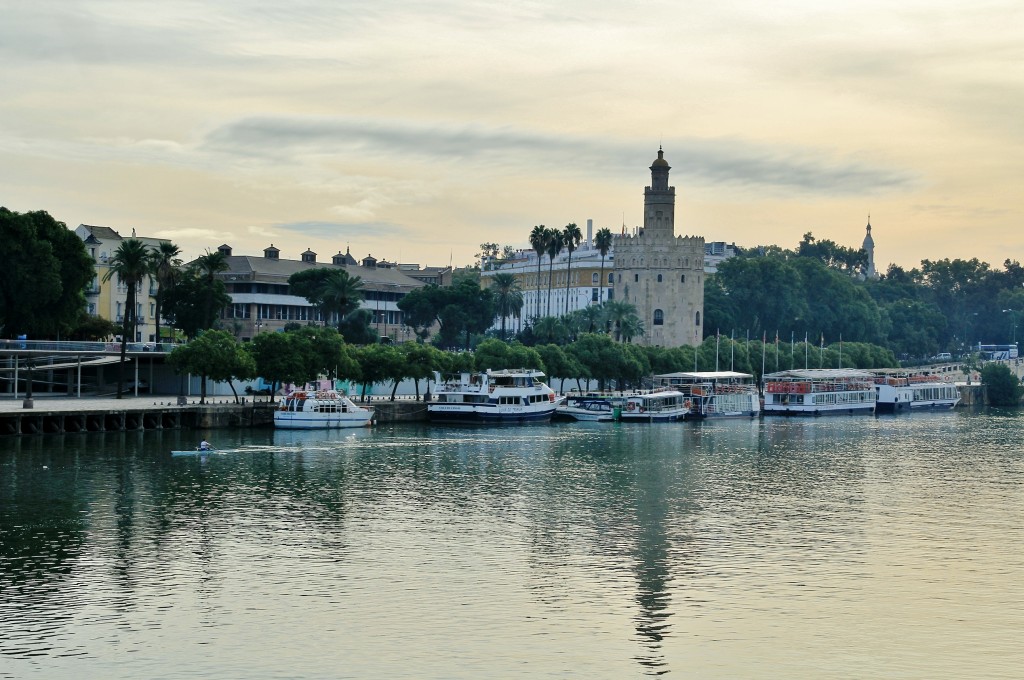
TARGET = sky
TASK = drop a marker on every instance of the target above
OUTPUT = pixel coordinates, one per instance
(414, 131)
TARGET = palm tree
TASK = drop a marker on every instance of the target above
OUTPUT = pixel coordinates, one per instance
(603, 241)
(631, 327)
(342, 293)
(571, 237)
(508, 297)
(130, 263)
(162, 263)
(554, 247)
(209, 265)
(539, 242)
(591, 318)
(618, 312)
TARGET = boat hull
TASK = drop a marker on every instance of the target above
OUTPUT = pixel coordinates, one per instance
(484, 414)
(321, 421)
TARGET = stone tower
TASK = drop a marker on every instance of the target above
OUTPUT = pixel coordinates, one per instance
(660, 273)
(869, 247)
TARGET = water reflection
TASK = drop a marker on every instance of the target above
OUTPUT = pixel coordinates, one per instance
(606, 551)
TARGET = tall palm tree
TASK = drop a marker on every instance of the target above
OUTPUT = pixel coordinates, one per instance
(162, 263)
(603, 241)
(554, 247)
(539, 242)
(342, 293)
(571, 237)
(130, 263)
(508, 297)
(209, 265)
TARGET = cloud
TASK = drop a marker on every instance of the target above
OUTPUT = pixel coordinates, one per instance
(358, 230)
(503, 149)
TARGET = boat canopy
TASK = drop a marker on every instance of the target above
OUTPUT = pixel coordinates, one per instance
(820, 374)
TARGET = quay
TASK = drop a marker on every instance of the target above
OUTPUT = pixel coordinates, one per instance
(51, 414)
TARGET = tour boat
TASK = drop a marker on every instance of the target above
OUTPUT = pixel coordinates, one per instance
(899, 390)
(819, 391)
(715, 394)
(492, 396)
(658, 406)
(320, 409)
(590, 407)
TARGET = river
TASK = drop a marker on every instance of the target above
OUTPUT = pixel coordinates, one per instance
(847, 547)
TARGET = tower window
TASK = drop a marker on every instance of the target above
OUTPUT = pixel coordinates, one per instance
(659, 278)
(682, 278)
(636, 278)
(698, 318)
(659, 317)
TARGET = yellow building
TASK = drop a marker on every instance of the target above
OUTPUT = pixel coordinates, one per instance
(107, 299)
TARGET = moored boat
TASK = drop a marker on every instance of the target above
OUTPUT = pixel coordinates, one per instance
(819, 391)
(312, 409)
(715, 394)
(588, 407)
(492, 396)
(899, 390)
(657, 406)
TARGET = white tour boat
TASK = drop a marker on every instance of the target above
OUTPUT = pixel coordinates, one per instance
(590, 407)
(493, 396)
(313, 409)
(658, 406)
(715, 394)
(819, 391)
(900, 390)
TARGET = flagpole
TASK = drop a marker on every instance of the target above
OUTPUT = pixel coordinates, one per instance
(805, 350)
(821, 352)
(718, 338)
(792, 347)
(764, 349)
(732, 350)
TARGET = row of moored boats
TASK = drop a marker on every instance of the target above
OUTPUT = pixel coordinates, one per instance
(522, 395)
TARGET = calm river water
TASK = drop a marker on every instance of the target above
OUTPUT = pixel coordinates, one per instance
(829, 548)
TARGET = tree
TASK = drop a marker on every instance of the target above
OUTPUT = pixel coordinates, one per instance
(558, 363)
(603, 240)
(195, 301)
(554, 244)
(376, 364)
(421, 361)
(621, 317)
(91, 327)
(45, 273)
(310, 284)
(163, 263)
(508, 297)
(215, 355)
(539, 243)
(129, 264)
(571, 237)
(356, 328)
(278, 358)
(1004, 389)
(342, 293)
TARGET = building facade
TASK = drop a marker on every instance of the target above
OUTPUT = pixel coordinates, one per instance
(662, 274)
(261, 301)
(107, 299)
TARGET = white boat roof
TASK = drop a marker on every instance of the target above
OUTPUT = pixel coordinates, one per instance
(706, 375)
(514, 371)
(821, 373)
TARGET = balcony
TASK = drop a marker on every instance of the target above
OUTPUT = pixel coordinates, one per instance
(92, 290)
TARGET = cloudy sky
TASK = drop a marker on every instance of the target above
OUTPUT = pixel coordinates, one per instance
(415, 131)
